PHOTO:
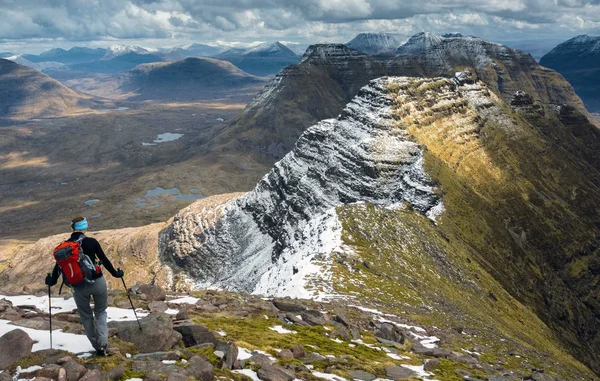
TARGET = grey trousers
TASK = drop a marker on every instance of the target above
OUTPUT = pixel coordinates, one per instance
(96, 330)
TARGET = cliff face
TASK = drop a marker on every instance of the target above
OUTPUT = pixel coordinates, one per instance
(514, 193)
(358, 157)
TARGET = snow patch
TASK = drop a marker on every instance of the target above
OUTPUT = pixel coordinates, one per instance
(280, 329)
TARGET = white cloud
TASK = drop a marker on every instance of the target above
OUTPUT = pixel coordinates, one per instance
(167, 22)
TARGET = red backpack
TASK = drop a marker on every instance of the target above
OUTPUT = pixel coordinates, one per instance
(75, 265)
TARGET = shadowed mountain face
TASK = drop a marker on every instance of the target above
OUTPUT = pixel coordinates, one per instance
(263, 60)
(26, 93)
(328, 76)
(74, 55)
(188, 79)
(578, 60)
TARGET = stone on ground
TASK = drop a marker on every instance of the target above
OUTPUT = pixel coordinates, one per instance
(14, 345)
(157, 335)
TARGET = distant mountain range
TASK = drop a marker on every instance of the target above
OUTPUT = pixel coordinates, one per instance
(262, 60)
(578, 60)
(329, 75)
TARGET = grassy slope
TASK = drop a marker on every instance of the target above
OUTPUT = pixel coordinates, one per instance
(522, 203)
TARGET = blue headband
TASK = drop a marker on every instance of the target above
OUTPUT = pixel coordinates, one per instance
(80, 225)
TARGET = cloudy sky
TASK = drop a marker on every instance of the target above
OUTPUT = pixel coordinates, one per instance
(31, 26)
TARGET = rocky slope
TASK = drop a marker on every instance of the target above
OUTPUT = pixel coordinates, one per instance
(26, 93)
(328, 76)
(188, 79)
(578, 60)
(428, 202)
(375, 44)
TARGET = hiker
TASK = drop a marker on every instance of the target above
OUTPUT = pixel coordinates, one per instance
(96, 331)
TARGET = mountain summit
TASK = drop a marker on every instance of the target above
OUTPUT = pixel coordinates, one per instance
(578, 60)
(262, 60)
(375, 43)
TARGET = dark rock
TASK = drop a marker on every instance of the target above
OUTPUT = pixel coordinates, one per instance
(158, 306)
(361, 375)
(74, 370)
(355, 333)
(195, 334)
(421, 350)
(390, 332)
(158, 334)
(68, 317)
(201, 369)
(313, 356)
(294, 319)
(260, 359)
(341, 333)
(14, 345)
(177, 376)
(298, 351)
(310, 319)
(92, 375)
(289, 307)
(441, 353)
(275, 373)
(465, 359)
(115, 373)
(430, 365)
(182, 315)
(342, 318)
(152, 292)
(399, 372)
(231, 353)
(285, 354)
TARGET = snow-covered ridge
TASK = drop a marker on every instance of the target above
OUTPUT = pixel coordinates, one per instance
(264, 239)
(118, 50)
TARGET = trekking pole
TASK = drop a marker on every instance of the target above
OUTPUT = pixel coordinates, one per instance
(130, 302)
(50, 311)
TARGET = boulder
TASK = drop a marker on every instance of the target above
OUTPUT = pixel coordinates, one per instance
(201, 369)
(5, 305)
(540, 376)
(6, 377)
(74, 370)
(298, 351)
(194, 334)
(399, 372)
(390, 332)
(260, 359)
(158, 306)
(230, 351)
(11, 314)
(152, 292)
(341, 333)
(14, 345)
(158, 334)
(285, 354)
(361, 375)
(275, 373)
(182, 315)
(312, 319)
(92, 375)
(289, 307)
(430, 365)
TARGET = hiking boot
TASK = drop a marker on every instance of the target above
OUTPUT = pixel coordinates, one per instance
(101, 351)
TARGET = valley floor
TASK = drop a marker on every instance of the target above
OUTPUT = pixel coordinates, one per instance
(129, 166)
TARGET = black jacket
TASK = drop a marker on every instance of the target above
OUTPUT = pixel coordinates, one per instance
(92, 249)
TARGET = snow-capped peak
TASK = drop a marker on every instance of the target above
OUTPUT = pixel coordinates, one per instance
(375, 43)
(119, 50)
